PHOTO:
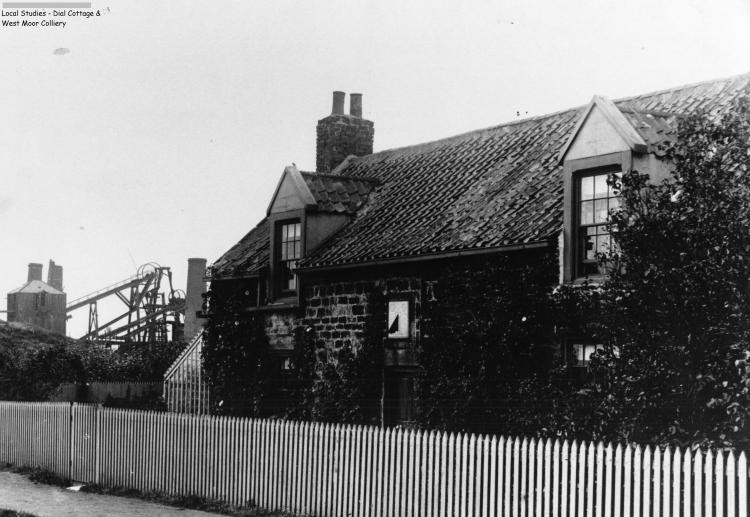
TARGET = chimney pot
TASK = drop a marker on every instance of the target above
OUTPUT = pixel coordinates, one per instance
(355, 105)
(35, 271)
(338, 137)
(338, 103)
(55, 275)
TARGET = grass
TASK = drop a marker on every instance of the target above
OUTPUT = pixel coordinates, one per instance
(180, 501)
(47, 477)
(38, 475)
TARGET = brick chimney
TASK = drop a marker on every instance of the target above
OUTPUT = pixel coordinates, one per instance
(55, 275)
(196, 287)
(341, 135)
(35, 271)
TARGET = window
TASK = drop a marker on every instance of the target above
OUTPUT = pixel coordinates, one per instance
(595, 200)
(289, 252)
(399, 320)
(582, 352)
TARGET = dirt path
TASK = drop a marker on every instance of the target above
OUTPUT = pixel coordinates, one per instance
(18, 493)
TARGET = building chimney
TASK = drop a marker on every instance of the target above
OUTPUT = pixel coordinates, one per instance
(55, 275)
(338, 103)
(340, 135)
(35, 271)
(355, 105)
(196, 288)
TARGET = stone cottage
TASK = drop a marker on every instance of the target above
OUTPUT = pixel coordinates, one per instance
(392, 219)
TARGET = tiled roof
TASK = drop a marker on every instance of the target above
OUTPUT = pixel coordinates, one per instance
(493, 187)
(657, 129)
(338, 194)
(247, 257)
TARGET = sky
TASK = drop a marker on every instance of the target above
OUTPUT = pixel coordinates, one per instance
(162, 131)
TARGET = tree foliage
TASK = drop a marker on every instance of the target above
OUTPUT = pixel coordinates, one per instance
(33, 362)
(676, 306)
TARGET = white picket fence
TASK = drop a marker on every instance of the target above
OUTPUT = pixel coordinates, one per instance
(342, 470)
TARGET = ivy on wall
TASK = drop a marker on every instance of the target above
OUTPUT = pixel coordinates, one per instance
(486, 345)
(343, 385)
(236, 356)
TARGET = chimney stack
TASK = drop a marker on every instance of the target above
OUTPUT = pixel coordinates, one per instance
(355, 105)
(55, 275)
(196, 287)
(338, 103)
(340, 135)
(35, 271)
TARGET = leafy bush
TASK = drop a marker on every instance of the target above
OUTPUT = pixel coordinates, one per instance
(34, 362)
(677, 302)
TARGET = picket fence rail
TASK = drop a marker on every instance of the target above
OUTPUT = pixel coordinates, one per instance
(342, 470)
(98, 392)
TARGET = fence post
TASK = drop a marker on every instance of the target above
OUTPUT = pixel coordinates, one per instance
(71, 449)
(97, 442)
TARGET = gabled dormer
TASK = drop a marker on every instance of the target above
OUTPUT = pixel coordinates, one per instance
(307, 208)
(606, 140)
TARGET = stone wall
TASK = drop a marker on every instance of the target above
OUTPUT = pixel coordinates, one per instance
(337, 313)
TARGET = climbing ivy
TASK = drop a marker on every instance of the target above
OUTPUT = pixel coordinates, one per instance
(347, 385)
(486, 344)
(236, 356)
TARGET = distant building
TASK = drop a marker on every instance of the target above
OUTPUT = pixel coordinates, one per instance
(40, 303)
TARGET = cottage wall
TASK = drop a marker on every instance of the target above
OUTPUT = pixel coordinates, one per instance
(337, 314)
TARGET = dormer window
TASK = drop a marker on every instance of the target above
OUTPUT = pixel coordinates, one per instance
(595, 201)
(289, 252)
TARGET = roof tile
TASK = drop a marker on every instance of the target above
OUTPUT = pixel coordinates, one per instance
(491, 187)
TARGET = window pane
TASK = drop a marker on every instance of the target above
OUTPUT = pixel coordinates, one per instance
(587, 187)
(602, 244)
(600, 211)
(589, 351)
(591, 230)
(578, 352)
(297, 249)
(583, 352)
(297, 230)
(588, 247)
(600, 186)
(587, 212)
